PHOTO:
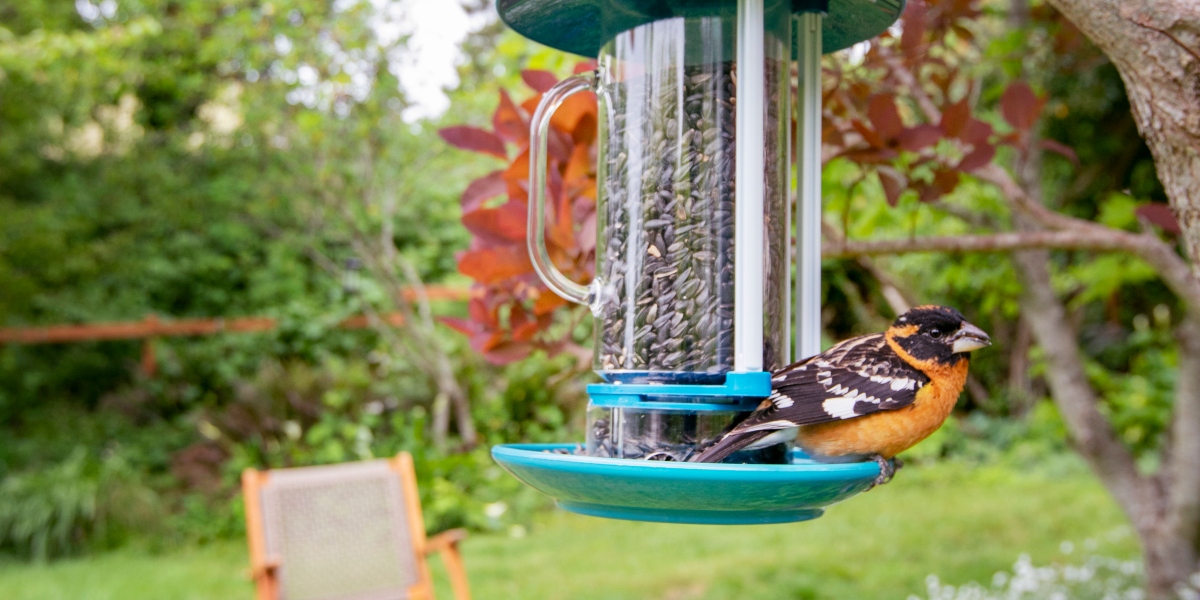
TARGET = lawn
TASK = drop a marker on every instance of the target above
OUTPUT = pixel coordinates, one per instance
(960, 523)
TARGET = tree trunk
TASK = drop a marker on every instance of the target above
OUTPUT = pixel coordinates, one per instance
(1181, 470)
(1169, 560)
(440, 425)
(1020, 386)
(1090, 432)
(462, 406)
(1155, 45)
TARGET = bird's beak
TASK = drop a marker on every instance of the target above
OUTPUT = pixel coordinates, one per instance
(968, 338)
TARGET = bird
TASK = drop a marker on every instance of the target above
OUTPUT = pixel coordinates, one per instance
(867, 398)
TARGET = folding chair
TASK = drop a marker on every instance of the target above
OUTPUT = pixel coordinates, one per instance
(347, 532)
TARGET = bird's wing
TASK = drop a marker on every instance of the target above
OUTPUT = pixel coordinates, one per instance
(857, 377)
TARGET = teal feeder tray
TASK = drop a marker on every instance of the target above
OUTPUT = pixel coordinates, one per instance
(681, 492)
(692, 294)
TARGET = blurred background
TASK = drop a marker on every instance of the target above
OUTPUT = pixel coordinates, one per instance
(284, 181)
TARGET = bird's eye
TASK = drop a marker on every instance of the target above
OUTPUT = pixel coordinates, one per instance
(935, 333)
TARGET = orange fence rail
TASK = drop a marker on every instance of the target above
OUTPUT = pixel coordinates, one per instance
(152, 327)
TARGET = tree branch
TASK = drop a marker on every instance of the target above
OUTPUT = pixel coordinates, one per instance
(1183, 466)
(996, 242)
(1170, 36)
(1148, 42)
(446, 380)
(1174, 270)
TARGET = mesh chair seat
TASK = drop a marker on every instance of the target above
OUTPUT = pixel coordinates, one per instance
(343, 532)
(339, 533)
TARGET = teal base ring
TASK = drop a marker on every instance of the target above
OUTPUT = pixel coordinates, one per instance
(675, 492)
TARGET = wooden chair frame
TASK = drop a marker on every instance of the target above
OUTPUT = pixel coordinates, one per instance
(264, 570)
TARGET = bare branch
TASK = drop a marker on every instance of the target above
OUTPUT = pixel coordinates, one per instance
(996, 242)
(1174, 270)
(445, 372)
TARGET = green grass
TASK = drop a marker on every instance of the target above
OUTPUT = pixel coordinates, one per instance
(960, 523)
(213, 571)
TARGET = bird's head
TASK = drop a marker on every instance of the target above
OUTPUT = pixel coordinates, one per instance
(936, 334)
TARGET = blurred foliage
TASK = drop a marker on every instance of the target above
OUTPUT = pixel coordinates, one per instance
(191, 159)
(184, 471)
(298, 414)
(80, 502)
(174, 158)
(512, 310)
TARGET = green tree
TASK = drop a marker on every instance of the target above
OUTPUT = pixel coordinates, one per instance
(193, 160)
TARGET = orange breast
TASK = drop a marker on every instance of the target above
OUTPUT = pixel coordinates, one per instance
(890, 432)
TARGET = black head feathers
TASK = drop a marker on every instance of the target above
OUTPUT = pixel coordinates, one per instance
(931, 315)
(938, 334)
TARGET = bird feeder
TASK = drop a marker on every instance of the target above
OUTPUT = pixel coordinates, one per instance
(692, 298)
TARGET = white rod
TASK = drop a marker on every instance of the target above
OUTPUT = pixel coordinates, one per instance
(808, 192)
(789, 152)
(748, 230)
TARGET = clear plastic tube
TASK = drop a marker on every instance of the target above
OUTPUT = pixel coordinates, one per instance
(667, 200)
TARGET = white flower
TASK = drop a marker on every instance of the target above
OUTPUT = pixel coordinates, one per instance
(495, 509)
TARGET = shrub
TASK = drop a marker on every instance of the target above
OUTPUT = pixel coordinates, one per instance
(79, 502)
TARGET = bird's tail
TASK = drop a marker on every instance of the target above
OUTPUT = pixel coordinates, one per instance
(732, 442)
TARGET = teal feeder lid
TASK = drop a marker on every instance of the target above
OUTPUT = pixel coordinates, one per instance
(682, 492)
(583, 26)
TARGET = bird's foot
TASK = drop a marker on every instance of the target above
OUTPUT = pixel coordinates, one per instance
(887, 470)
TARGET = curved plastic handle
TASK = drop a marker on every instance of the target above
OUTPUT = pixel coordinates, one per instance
(539, 130)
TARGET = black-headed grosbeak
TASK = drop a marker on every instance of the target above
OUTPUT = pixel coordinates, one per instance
(869, 397)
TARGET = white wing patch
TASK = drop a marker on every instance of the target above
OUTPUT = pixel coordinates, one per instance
(840, 408)
(842, 405)
(825, 378)
(857, 377)
(781, 400)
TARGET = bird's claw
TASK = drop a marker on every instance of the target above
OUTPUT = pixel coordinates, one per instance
(887, 470)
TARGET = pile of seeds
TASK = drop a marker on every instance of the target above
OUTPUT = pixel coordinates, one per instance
(649, 446)
(667, 227)
(644, 447)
